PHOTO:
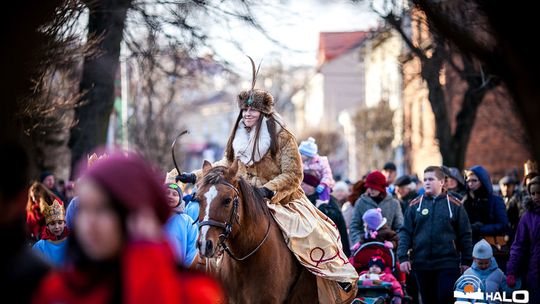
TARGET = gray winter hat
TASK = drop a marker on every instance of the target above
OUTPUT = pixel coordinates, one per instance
(482, 250)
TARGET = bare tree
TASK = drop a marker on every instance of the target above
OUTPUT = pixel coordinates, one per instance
(374, 132)
(44, 113)
(508, 52)
(178, 23)
(434, 56)
(161, 78)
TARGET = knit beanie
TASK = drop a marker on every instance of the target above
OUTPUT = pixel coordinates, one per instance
(373, 221)
(308, 147)
(482, 250)
(376, 180)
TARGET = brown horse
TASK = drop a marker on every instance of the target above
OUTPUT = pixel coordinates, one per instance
(256, 266)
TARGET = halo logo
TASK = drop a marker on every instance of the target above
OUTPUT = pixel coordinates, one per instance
(470, 289)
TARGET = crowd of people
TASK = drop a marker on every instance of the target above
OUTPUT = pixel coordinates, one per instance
(447, 225)
(87, 241)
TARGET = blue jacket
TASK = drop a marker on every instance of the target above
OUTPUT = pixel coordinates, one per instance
(492, 278)
(53, 252)
(182, 236)
(488, 209)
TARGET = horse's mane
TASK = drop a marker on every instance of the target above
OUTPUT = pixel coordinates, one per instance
(253, 200)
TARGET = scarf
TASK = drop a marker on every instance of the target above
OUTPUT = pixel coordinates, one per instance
(244, 141)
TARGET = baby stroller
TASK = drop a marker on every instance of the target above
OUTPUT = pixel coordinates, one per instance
(377, 293)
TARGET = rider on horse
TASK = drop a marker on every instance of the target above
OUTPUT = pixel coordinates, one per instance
(268, 158)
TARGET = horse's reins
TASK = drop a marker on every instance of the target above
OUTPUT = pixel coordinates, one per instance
(227, 227)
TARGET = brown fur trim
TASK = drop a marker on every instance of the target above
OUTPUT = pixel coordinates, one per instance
(454, 200)
(415, 201)
(261, 101)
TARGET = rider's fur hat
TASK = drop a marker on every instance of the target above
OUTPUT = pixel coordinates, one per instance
(257, 99)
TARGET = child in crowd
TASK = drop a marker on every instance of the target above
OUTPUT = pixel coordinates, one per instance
(376, 230)
(485, 268)
(376, 275)
(318, 166)
(181, 232)
(53, 243)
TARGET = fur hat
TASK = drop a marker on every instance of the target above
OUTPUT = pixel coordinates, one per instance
(376, 180)
(482, 250)
(259, 100)
(378, 261)
(308, 147)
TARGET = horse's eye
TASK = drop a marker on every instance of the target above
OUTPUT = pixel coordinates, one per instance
(227, 201)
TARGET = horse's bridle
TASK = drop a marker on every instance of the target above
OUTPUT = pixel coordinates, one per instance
(228, 226)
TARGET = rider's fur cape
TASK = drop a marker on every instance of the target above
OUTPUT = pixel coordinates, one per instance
(283, 175)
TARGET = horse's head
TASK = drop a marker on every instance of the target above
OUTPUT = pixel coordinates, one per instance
(219, 203)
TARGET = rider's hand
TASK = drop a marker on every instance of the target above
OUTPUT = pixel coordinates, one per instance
(405, 267)
(186, 178)
(320, 188)
(266, 193)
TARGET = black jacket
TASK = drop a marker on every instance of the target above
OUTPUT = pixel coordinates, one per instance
(438, 232)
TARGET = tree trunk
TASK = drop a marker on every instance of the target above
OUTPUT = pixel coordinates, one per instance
(106, 20)
(453, 147)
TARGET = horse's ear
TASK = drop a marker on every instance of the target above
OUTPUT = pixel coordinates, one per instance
(233, 169)
(206, 167)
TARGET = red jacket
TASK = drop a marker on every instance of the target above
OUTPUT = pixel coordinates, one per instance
(389, 278)
(149, 275)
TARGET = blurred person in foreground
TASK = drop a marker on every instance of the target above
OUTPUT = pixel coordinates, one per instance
(21, 269)
(118, 252)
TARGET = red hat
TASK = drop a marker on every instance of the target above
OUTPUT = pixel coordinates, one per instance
(132, 181)
(376, 180)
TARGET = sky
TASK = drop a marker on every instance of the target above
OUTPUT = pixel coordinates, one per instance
(296, 25)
